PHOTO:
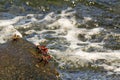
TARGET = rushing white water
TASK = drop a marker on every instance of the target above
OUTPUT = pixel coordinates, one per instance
(76, 43)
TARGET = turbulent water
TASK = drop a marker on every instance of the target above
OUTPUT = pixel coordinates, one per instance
(82, 35)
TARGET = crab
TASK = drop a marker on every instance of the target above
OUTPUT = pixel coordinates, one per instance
(45, 59)
(15, 37)
(43, 51)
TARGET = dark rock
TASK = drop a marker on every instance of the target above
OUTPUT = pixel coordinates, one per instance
(112, 41)
(82, 37)
(18, 62)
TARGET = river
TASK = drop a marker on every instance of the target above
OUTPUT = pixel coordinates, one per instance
(82, 35)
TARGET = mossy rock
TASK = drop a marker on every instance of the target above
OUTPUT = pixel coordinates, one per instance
(18, 62)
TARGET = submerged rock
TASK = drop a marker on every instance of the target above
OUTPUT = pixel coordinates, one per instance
(18, 62)
(112, 41)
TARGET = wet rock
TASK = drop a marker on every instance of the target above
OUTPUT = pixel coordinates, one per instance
(97, 37)
(112, 41)
(93, 48)
(82, 37)
(92, 35)
(18, 62)
(88, 25)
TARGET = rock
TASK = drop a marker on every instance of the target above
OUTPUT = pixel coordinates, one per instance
(112, 41)
(18, 62)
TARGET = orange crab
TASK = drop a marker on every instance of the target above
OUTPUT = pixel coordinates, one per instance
(45, 59)
(42, 49)
(44, 53)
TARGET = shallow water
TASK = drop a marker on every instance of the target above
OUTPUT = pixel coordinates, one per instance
(82, 35)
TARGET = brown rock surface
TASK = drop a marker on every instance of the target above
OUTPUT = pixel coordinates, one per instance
(18, 62)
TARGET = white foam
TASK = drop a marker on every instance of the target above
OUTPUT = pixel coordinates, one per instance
(7, 32)
(10, 21)
(87, 19)
(96, 31)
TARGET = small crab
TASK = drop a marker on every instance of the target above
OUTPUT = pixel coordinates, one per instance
(44, 53)
(42, 49)
(15, 37)
(45, 59)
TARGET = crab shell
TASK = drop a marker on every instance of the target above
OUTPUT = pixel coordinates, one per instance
(42, 49)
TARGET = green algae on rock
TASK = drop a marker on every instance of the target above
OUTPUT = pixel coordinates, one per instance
(17, 61)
